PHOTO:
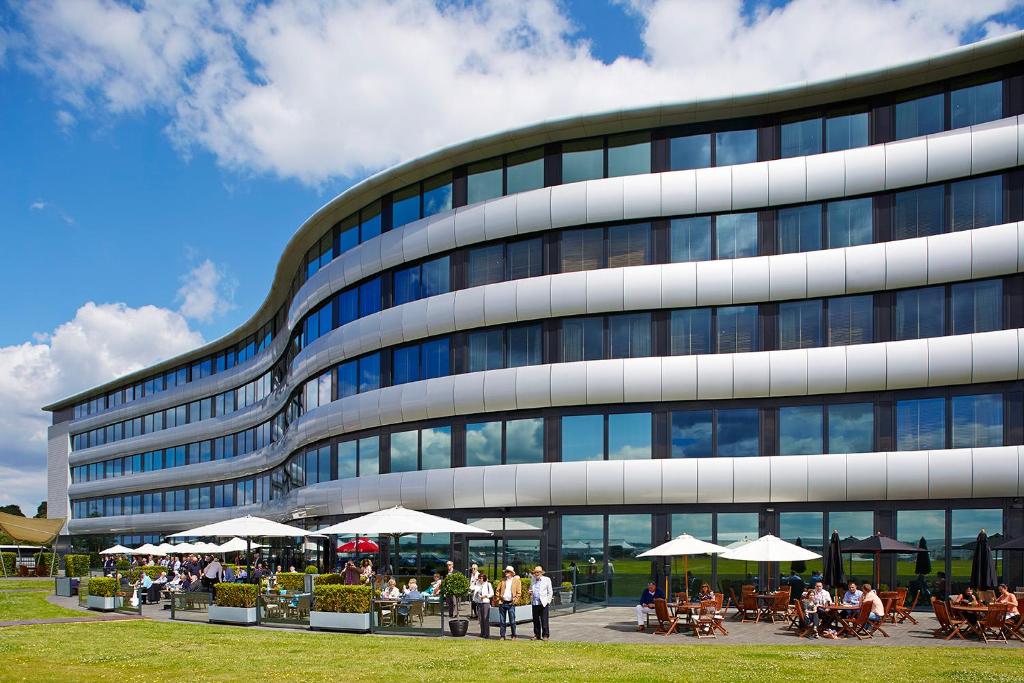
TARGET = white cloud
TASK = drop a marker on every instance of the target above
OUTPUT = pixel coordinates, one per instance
(37, 206)
(341, 87)
(206, 292)
(65, 120)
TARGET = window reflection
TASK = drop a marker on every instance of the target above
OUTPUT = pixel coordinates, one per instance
(690, 239)
(800, 430)
(919, 213)
(976, 202)
(849, 223)
(738, 432)
(920, 116)
(525, 171)
(920, 424)
(846, 132)
(851, 428)
(735, 147)
(976, 104)
(976, 306)
(914, 527)
(851, 320)
(629, 154)
(483, 444)
(524, 441)
(965, 525)
(582, 438)
(800, 324)
(484, 181)
(736, 235)
(691, 332)
(799, 229)
(629, 436)
(692, 151)
(582, 160)
(920, 313)
(691, 434)
(977, 421)
(800, 138)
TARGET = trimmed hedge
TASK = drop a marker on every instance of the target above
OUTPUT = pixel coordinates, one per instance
(123, 565)
(103, 587)
(154, 571)
(43, 562)
(236, 594)
(311, 569)
(291, 581)
(339, 598)
(8, 560)
(328, 580)
(76, 565)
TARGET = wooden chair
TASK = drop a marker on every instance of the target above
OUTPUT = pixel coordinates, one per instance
(704, 625)
(750, 611)
(991, 627)
(893, 596)
(720, 614)
(800, 622)
(904, 613)
(860, 623)
(780, 607)
(1015, 629)
(986, 596)
(736, 604)
(874, 627)
(664, 617)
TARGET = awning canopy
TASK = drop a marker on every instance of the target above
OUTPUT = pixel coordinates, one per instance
(41, 531)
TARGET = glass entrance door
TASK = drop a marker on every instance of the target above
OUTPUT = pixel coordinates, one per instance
(492, 555)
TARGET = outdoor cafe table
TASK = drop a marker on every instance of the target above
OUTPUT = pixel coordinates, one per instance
(282, 602)
(765, 602)
(840, 618)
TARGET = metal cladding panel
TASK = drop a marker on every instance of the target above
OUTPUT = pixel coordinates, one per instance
(569, 384)
(714, 283)
(533, 298)
(414, 490)
(996, 472)
(414, 401)
(568, 205)
(750, 185)
(568, 294)
(414, 319)
(714, 376)
(440, 396)
(865, 476)
(441, 314)
(369, 409)
(949, 155)
(994, 250)
(679, 481)
(369, 333)
(469, 308)
(906, 263)
(949, 257)
(604, 482)
(751, 375)
(993, 145)
(389, 490)
(390, 404)
(949, 473)
(469, 487)
(789, 478)
(865, 268)
(500, 389)
(533, 484)
(714, 189)
(787, 181)
(391, 326)
(641, 380)
(641, 482)
(994, 356)
(1020, 138)
(350, 496)
(865, 367)
(370, 257)
(715, 480)
(679, 378)
(604, 290)
(604, 200)
(906, 364)
(414, 246)
(906, 475)
(349, 409)
(499, 486)
(533, 210)
(440, 490)
(641, 196)
(750, 280)
(468, 393)
(752, 479)
(906, 163)
(678, 193)
(368, 501)
(500, 217)
(469, 224)
(604, 381)
(826, 175)
(947, 360)
(500, 302)
(569, 483)
(533, 386)
(826, 273)
(58, 446)
(865, 169)
(351, 264)
(787, 275)
(826, 477)
(391, 252)
(826, 370)
(788, 372)
(679, 285)
(641, 287)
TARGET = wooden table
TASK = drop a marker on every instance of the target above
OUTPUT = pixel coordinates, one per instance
(765, 602)
(845, 627)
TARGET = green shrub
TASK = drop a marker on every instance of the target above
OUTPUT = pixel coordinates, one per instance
(123, 565)
(339, 598)
(236, 594)
(566, 585)
(291, 581)
(43, 562)
(328, 580)
(76, 565)
(102, 587)
(8, 560)
(524, 592)
(152, 570)
(311, 569)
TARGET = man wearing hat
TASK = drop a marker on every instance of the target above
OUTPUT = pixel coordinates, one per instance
(542, 592)
(507, 596)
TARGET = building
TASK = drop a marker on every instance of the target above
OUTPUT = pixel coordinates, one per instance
(792, 311)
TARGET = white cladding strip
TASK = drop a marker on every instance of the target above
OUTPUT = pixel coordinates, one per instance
(903, 475)
(58, 446)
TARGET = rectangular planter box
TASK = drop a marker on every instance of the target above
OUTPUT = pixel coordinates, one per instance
(339, 621)
(64, 587)
(244, 616)
(524, 613)
(101, 604)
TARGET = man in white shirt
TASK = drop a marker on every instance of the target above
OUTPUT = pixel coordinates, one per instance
(541, 593)
(474, 572)
(212, 573)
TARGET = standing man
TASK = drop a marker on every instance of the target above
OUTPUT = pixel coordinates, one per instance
(450, 600)
(509, 591)
(474, 573)
(540, 589)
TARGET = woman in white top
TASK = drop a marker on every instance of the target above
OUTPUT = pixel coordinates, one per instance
(483, 592)
(391, 592)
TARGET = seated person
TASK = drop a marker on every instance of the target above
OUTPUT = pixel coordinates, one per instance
(146, 584)
(391, 591)
(852, 596)
(817, 597)
(229, 574)
(435, 586)
(871, 598)
(705, 593)
(195, 584)
(1007, 598)
(796, 584)
(411, 591)
(967, 597)
(646, 605)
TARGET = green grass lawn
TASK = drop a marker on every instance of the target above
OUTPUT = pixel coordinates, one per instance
(26, 599)
(23, 584)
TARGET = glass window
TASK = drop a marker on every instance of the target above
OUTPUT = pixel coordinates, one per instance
(736, 235)
(920, 117)
(369, 372)
(692, 151)
(524, 441)
(851, 320)
(582, 160)
(736, 329)
(801, 138)
(630, 335)
(964, 528)
(629, 436)
(735, 147)
(582, 249)
(582, 339)
(977, 421)
(738, 433)
(800, 324)
(435, 358)
(846, 132)
(484, 181)
(583, 539)
(406, 285)
(735, 527)
(525, 346)
(483, 444)
(629, 154)
(435, 277)
(628, 535)
(849, 223)
(918, 213)
(804, 529)
(976, 306)
(369, 297)
(485, 350)
(690, 239)
(799, 229)
(582, 438)
(920, 313)
(348, 306)
(404, 448)
(525, 171)
(920, 424)
(405, 364)
(976, 104)
(348, 231)
(691, 434)
(691, 332)
(369, 456)
(437, 194)
(800, 430)
(486, 265)
(916, 527)
(405, 206)
(851, 428)
(629, 245)
(437, 448)
(370, 225)
(976, 202)
(347, 453)
(525, 258)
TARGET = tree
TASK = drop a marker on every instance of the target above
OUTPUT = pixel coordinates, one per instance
(41, 511)
(12, 510)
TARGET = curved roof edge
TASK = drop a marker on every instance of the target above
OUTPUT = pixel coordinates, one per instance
(962, 60)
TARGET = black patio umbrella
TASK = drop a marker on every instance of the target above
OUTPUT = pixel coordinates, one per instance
(1012, 544)
(983, 566)
(798, 566)
(923, 566)
(833, 574)
(878, 545)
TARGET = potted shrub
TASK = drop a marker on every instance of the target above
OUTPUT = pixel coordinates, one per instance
(293, 582)
(307, 581)
(235, 604)
(340, 608)
(76, 565)
(456, 586)
(565, 592)
(103, 595)
(523, 612)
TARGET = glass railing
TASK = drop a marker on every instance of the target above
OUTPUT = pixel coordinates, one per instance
(285, 609)
(189, 606)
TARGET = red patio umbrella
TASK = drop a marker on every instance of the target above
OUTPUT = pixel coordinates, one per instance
(365, 546)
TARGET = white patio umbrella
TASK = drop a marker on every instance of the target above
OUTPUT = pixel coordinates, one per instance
(770, 549)
(117, 550)
(684, 545)
(247, 527)
(148, 549)
(182, 548)
(236, 545)
(166, 547)
(204, 547)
